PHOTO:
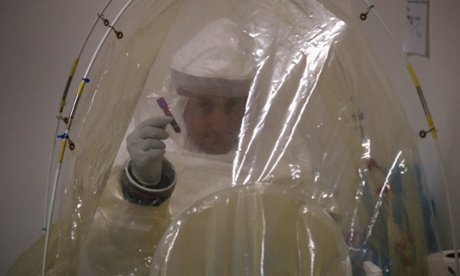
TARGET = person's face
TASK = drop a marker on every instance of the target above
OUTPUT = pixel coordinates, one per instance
(213, 122)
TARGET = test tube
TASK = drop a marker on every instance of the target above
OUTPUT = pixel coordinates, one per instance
(164, 105)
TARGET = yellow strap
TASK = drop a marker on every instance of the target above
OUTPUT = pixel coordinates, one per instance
(61, 153)
(81, 87)
(413, 76)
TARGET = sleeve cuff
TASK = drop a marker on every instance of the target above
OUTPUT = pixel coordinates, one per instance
(135, 192)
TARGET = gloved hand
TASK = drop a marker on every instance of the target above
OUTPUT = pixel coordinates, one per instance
(147, 150)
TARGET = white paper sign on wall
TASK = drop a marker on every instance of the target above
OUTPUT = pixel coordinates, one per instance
(416, 40)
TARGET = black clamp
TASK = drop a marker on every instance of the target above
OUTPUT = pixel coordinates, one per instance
(119, 34)
(363, 16)
(423, 133)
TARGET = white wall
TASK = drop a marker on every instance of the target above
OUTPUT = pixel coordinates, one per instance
(40, 39)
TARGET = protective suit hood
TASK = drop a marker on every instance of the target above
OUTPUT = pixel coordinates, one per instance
(218, 60)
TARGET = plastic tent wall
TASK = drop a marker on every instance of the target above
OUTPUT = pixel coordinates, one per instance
(320, 121)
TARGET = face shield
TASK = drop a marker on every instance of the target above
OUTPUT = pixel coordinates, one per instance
(213, 73)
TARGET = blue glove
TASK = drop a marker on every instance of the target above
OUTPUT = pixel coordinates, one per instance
(146, 149)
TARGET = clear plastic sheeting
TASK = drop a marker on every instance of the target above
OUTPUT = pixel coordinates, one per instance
(252, 230)
(299, 132)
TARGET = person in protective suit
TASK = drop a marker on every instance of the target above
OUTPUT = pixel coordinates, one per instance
(214, 80)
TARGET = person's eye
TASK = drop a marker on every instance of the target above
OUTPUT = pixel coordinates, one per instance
(231, 106)
(205, 105)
